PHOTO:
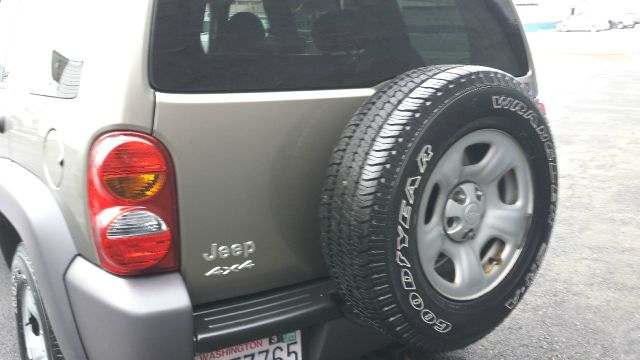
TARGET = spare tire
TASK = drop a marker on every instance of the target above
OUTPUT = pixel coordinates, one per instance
(439, 203)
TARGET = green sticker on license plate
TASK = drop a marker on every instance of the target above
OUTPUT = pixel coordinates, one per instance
(283, 338)
(278, 347)
(289, 338)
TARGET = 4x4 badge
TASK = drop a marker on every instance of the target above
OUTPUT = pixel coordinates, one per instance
(224, 270)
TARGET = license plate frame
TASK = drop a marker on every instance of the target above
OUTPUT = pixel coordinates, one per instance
(286, 346)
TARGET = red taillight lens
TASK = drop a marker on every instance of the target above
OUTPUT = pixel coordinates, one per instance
(542, 107)
(132, 202)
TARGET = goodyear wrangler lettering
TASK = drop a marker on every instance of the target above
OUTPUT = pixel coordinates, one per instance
(544, 135)
(403, 239)
(517, 106)
(404, 224)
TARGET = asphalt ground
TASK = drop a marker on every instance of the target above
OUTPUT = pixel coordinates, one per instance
(585, 302)
(8, 342)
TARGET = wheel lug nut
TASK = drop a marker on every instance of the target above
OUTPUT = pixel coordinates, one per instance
(459, 197)
(479, 194)
(469, 235)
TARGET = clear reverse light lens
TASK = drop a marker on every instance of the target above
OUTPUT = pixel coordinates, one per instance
(136, 223)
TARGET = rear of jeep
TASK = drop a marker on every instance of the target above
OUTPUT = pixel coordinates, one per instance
(195, 215)
(250, 108)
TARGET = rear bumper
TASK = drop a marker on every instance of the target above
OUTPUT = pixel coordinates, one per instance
(130, 318)
(237, 321)
(152, 318)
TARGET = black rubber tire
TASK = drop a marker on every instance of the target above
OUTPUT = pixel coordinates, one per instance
(23, 279)
(364, 190)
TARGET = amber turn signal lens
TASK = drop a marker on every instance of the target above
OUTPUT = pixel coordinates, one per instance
(134, 170)
(136, 187)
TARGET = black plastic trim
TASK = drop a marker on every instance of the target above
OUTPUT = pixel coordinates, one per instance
(237, 321)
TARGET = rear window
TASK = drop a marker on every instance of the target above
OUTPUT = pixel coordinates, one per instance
(260, 45)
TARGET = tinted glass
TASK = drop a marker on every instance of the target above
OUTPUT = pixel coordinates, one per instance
(253, 45)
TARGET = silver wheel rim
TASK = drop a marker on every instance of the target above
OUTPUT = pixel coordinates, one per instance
(474, 214)
(32, 331)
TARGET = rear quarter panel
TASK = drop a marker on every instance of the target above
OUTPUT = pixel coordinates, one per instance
(113, 93)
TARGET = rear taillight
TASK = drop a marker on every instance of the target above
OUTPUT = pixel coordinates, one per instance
(132, 204)
(542, 107)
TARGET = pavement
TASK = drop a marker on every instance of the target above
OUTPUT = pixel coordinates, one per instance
(8, 342)
(585, 301)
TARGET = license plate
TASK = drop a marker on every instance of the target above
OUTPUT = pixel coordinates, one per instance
(278, 347)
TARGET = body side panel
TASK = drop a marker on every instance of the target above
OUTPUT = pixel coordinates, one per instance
(114, 94)
(28, 204)
(530, 78)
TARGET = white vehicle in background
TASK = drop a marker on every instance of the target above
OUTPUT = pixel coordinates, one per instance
(624, 21)
(584, 22)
